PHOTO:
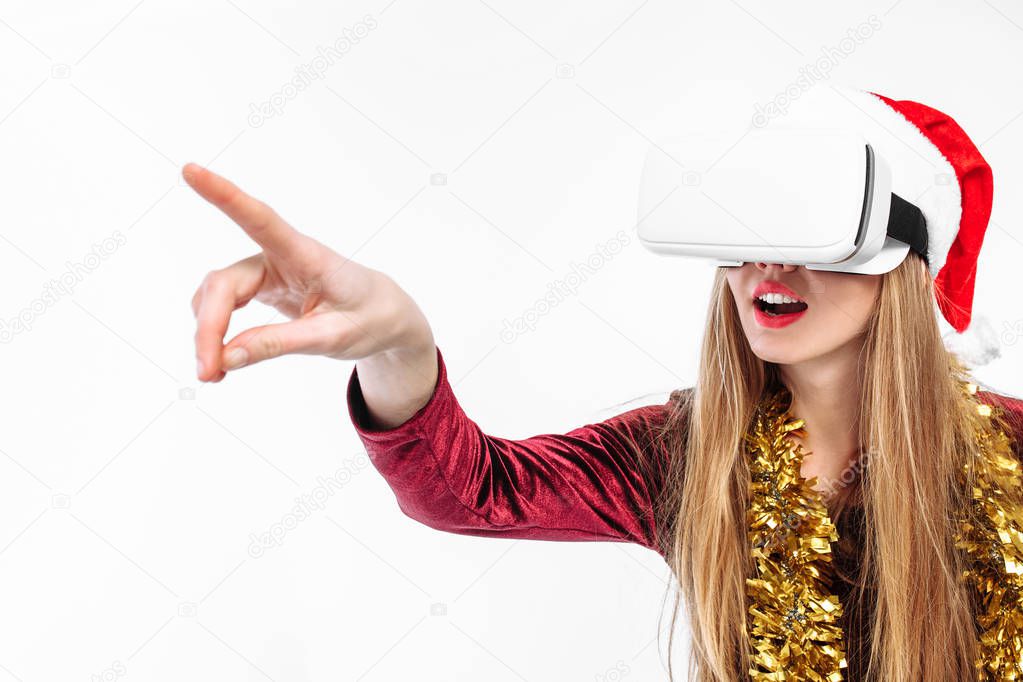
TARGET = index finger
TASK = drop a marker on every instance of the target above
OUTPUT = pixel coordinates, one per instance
(258, 220)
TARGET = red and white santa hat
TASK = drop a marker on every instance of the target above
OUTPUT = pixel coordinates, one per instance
(936, 167)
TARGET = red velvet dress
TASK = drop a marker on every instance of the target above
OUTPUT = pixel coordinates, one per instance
(582, 485)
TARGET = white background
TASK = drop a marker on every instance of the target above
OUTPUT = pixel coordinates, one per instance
(128, 493)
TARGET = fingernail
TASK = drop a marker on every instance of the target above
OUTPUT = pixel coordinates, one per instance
(199, 367)
(235, 358)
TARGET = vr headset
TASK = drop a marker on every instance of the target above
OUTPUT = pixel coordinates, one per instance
(818, 198)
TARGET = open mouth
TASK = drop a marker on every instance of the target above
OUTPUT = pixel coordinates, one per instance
(775, 305)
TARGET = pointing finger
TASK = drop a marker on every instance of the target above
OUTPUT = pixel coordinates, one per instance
(258, 220)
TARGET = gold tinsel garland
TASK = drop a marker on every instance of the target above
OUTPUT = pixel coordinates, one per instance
(794, 619)
(794, 622)
(992, 538)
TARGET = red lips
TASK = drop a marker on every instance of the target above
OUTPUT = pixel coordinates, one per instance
(774, 321)
(770, 286)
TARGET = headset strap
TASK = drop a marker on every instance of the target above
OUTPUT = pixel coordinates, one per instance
(907, 224)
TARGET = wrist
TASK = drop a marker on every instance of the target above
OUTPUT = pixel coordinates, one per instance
(398, 382)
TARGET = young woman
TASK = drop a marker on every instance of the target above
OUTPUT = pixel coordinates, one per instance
(887, 555)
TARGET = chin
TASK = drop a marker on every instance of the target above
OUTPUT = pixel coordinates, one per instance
(780, 357)
(780, 351)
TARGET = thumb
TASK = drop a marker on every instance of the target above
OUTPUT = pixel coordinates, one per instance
(308, 335)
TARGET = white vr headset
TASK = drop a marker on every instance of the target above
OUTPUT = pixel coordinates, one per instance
(818, 198)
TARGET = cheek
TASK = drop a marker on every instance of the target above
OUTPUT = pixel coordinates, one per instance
(847, 310)
(864, 296)
(732, 276)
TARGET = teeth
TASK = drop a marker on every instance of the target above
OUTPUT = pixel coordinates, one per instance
(777, 298)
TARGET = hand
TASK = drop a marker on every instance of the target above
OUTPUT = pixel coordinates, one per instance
(336, 306)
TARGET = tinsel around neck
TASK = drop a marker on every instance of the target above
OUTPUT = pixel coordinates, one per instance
(794, 621)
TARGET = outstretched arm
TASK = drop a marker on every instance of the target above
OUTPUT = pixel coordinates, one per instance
(591, 483)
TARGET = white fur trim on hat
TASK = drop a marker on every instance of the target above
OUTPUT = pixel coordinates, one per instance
(978, 345)
(920, 172)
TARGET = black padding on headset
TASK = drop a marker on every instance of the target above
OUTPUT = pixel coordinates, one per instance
(907, 224)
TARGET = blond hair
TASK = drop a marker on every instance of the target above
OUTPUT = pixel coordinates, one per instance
(914, 423)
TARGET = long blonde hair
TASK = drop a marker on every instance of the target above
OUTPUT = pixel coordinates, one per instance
(916, 429)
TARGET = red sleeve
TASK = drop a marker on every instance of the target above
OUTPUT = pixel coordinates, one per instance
(1012, 411)
(582, 485)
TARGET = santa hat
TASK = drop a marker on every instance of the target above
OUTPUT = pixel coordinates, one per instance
(937, 168)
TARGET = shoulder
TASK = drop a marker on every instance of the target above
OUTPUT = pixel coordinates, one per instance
(652, 432)
(649, 422)
(654, 435)
(1011, 405)
(1010, 409)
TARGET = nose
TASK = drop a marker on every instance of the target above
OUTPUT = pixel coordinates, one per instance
(785, 267)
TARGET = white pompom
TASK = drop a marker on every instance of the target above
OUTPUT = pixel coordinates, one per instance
(976, 346)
